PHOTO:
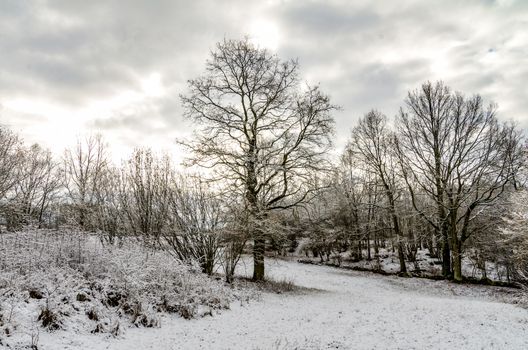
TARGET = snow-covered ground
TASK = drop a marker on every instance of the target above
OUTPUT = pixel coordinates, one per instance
(345, 310)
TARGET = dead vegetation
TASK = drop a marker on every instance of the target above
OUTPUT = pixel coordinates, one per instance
(60, 278)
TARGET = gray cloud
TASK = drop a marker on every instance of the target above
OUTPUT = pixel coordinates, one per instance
(73, 54)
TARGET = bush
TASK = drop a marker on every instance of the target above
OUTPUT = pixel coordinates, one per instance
(55, 276)
(49, 319)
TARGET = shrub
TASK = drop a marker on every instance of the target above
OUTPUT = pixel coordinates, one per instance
(62, 274)
(49, 319)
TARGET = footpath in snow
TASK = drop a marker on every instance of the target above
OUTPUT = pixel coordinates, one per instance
(345, 310)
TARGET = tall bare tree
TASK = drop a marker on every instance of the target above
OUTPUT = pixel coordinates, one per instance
(258, 131)
(373, 143)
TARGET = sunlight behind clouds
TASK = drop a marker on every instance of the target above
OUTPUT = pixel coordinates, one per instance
(53, 125)
(62, 124)
(152, 85)
(264, 33)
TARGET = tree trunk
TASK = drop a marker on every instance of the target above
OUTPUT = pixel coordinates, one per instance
(457, 260)
(401, 256)
(395, 222)
(360, 250)
(369, 257)
(376, 243)
(446, 257)
(258, 258)
(81, 218)
(255, 225)
(397, 231)
(42, 207)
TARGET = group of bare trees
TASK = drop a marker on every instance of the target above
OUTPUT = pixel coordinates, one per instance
(437, 176)
(430, 177)
(434, 177)
(146, 199)
(143, 198)
(30, 179)
(459, 157)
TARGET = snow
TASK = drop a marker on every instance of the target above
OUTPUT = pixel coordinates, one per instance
(82, 287)
(341, 310)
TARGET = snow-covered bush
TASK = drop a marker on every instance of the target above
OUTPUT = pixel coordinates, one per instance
(69, 279)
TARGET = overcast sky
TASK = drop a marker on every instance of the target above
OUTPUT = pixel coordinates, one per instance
(117, 67)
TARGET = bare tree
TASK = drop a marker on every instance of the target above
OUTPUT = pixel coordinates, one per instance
(84, 168)
(111, 214)
(10, 158)
(259, 131)
(373, 143)
(424, 139)
(349, 192)
(145, 188)
(40, 183)
(197, 219)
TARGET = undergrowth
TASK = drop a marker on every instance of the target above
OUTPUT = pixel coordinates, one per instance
(57, 280)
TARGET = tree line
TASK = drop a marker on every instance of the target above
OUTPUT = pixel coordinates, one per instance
(442, 175)
(439, 175)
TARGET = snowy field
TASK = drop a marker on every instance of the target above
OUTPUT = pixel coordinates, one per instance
(341, 310)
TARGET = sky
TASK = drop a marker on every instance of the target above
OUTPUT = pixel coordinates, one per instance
(68, 67)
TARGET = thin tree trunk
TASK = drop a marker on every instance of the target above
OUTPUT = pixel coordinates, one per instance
(401, 256)
(258, 258)
(457, 260)
(369, 257)
(397, 229)
(446, 256)
(376, 244)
